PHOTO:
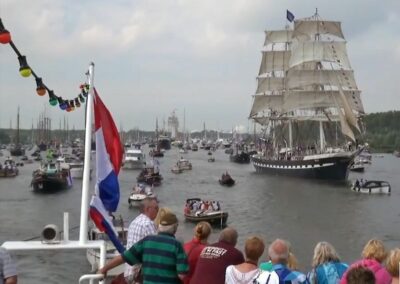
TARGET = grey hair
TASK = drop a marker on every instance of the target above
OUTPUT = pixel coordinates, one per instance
(170, 229)
(278, 251)
(146, 203)
(324, 252)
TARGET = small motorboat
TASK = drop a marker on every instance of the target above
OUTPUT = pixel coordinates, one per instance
(51, 177)
(371, 187)
(197, 210)
(184, 164)
(9, 168)
(150, 176)
(140, 192)
(357, 167)
(176, 169)
(226, 180)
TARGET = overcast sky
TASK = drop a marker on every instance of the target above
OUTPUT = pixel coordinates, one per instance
(154, 56)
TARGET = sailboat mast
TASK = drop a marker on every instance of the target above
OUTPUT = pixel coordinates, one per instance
(17, 138)
(321, 136)
(290, 134)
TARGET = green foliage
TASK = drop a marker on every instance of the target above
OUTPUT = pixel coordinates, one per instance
(383, 131)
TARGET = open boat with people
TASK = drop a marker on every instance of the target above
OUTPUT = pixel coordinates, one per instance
(371, 187)
(139, 193)
(197, 210)
(8, 168)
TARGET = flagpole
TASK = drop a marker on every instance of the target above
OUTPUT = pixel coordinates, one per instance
(86, 168)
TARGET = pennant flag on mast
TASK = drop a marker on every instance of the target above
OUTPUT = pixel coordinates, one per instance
(289, 16)
(108, 163)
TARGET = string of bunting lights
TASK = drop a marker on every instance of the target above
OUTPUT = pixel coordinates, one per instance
(25, 70)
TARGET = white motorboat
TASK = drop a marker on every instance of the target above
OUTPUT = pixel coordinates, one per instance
(93, 255)
(372, 187)
(184, 164)
(134, 159)
(141, 191)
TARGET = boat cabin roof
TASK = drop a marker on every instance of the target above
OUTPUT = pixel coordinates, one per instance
(134, 151)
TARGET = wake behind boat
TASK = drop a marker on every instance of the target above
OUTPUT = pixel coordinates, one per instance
(305, 86)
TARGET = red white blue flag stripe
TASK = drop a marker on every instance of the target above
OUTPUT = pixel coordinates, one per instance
(108, 163)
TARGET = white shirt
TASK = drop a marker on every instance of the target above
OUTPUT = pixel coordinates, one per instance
(234, 276)
(139, 228)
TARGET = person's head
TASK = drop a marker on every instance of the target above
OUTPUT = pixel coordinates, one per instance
(202, 231)
(324, 252)
(360, 275)
(161, 213)
(278, 252)
(168, 223)
(254, 248)
(374, 249)
(149, 207)
(392, 262)
(228, 235)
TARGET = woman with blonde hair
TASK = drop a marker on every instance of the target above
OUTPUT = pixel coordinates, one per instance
(326, 265)
(373, 254)
(392, 265)
(194, 247)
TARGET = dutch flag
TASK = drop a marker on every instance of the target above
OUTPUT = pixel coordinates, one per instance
(108, 163)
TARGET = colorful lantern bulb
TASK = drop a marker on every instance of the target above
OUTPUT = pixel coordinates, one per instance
(5, 36)
(40, 88)
(81, 98)
(77, 103)
(24, 68)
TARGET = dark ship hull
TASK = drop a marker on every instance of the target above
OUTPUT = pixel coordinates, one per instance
(164, 143)
(242, 158)
(320, 167)
(17, 151)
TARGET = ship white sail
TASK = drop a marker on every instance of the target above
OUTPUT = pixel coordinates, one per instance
(305, 74)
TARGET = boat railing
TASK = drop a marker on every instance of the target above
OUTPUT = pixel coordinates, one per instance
(91, 278)
(52, 241)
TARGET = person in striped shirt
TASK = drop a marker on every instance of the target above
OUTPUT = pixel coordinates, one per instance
(162, 256)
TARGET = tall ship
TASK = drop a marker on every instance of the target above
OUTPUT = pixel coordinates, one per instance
(307, 102)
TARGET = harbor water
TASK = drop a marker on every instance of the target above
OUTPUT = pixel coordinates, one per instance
(301, 211)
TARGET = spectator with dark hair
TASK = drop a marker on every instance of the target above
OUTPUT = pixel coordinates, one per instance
(360, 275)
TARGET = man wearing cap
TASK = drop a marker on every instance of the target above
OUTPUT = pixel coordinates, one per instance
(162, 256)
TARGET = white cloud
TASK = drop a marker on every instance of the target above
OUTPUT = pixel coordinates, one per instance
(154, 55)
